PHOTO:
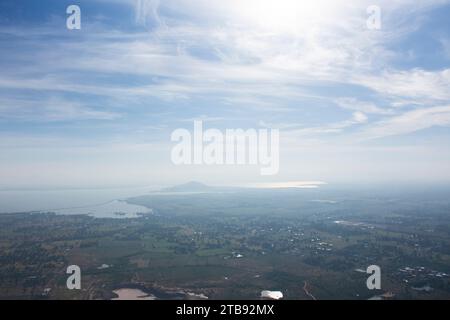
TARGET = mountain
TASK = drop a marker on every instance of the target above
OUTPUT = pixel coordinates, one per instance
(192, 186)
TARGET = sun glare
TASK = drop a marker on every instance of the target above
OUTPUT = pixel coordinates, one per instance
(286, 15)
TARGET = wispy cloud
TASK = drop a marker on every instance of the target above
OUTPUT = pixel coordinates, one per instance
(408, 122)
(418, 85)
(362, 106)
(147, 10)
(53, 109)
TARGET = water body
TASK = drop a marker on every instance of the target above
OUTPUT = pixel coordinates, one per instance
(118, 209)
(138, 292)
(48, 200)
(275, 295)
(132, 294)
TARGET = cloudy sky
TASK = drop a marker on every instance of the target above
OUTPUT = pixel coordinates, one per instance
(95, 107)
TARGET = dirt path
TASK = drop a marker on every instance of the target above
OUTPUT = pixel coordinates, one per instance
(305, 288)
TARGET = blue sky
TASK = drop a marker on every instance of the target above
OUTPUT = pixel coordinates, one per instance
(95, 107)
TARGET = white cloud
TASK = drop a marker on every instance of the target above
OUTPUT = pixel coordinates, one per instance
(250, 63)
(416, 84)
(359, 117)
(408, 122)
(53, 109)
(363, 106)
(294, 131)
(146, 10)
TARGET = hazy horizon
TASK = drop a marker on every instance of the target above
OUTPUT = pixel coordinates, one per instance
(96, 107)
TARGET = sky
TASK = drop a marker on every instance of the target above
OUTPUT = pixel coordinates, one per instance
(96, 107)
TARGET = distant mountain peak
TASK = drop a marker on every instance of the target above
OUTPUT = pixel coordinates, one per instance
(191, 186)
(194, 184)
